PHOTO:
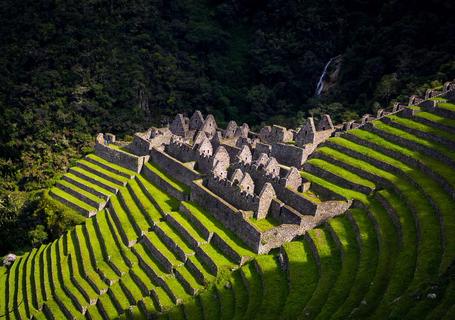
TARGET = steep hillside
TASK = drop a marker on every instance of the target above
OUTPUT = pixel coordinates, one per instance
(152, 251)
(70, 69)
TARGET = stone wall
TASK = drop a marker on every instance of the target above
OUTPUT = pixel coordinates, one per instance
(288, 154)
(163, 184)
(120, 157)
(232, 193)
(179, 171)
(227, 214)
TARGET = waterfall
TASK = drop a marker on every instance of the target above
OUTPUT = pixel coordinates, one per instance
(320, 85)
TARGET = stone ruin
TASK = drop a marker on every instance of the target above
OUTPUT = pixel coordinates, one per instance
(237, 175)
(242, 177)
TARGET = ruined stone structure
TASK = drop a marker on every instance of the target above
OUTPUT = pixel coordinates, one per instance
(242, 177)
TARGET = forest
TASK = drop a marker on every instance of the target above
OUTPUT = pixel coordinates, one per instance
(70, 69)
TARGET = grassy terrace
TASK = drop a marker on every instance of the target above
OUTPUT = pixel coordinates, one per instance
(88, 184)
(274, 286)
(403, 134)
(165, 202)
(436, 119)
(422, 127)
(346, 239)
(380, 260)
(113, 166)
(149, 209)
(75, 201)
(99, 181)
(345, 174)
(427, 255)
(213, 225)
(264, 224)
(80, 191)
(426, 215)
(433, 190)
(367, 263)
(106, 174)
(330, 260)
(438, 166)
(165, 176)
(447, 106)
(302, 275)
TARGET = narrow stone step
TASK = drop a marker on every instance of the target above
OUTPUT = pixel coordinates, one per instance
(82, 195)
(121, 171)
(88, 186)
(95, 179)
(418, 133)
(105, 174)
(72, 202)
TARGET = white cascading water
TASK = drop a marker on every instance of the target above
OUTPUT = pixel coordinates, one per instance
(320, 85)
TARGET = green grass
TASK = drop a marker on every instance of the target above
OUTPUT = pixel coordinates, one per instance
(217, 256)
(106, 303)
(403, 134)
(240, 294)
(99, 229)
(76, 268)
(253, 283)
(81, 191)
(274, 289)
(164, 200)
(18, 294)
(182, 220)
(186, 274)
(212, 224)
(89, 184)
(347, 238)
(346, 193)
(163, 298)
(209, 303)
(193, 309)
(136, 215)
(163, 249)
(427, 216)
(143, 252)
(66, 275)
(97, 251)
(439, 167)
(447, 106)
(118, 178)
(422, 127)
(303, 276)
(72, 199)
(330, 260)
(177, 185)
(83, 255)
(207, 276)
(126, 225)
(343, 173)
(87, 174)
(119, 296)
(149, 208)
(45, 277)
(227, 300)
(366, 266)
(176, 238)
(111, 165)
(430, 250)
(264, 224)
(56, 280)
(405, 267)
(436, 119)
